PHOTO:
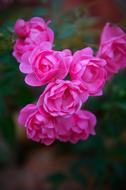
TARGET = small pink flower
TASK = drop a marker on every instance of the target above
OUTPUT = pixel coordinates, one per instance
(38, 27)
(18, 49)
(113, 49)
(39, 126)
(23, 48)
(25, 63)
(31, 33)
(62, 98)
(89, 70)
(45, 65)
(22, 28)
(38, 23)
(43, 128)
(78, 127)
(33, 27)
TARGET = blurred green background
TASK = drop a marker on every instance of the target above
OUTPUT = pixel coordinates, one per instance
(100, 162)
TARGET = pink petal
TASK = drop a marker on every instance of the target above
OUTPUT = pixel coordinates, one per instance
(109, 32)
(25, 113)
(25, 66)
(50, 35)
(31, 80)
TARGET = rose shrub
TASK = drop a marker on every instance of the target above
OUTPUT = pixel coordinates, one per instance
(57, 114)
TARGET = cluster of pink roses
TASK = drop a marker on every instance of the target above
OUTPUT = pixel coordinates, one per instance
(58, 114)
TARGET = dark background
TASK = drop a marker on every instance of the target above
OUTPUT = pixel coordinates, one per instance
(100, 162)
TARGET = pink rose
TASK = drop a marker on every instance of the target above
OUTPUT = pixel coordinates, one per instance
(62, 98)
(39, 126)
(113, 49)
(22, 28)
(89, 70)
(18, 49)
(44, 65)
(78, 127)
(23, 48)
(38, 23)
(25, 63)
(31, 33)
(39, 29)
(43, 128)
(33, 27)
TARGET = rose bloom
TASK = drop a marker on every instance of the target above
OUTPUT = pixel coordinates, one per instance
(89, 70)
(113, 49)
(39, 126)
(62, 98)
(31, 33)
(78, 127)
(34, 26)
(22, 28)
(20, 48)
(42, 128)
(44, 65)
